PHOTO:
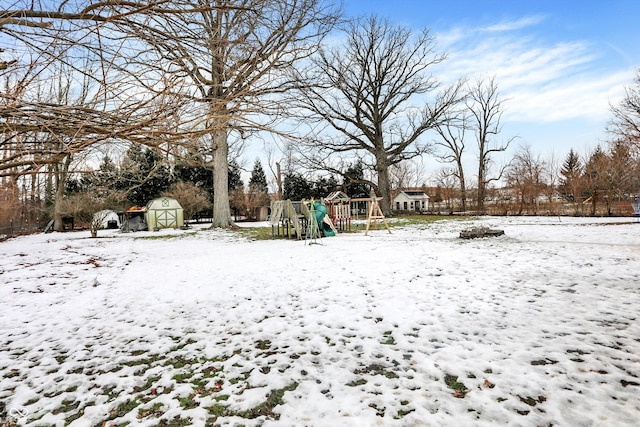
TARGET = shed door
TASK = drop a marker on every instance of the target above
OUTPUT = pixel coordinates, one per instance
(167, 218)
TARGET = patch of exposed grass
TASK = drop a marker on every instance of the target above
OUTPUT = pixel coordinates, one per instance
(183, 345)
(150, 381)
(460, 390)
(376, 369)
(166, 236)
(188, 402)
(423, 220)
(13, 373)
(155, 410)
(356, 383)
(176, 421)
(388, 338)
(123, 409)
(67, 405)
(179, 362)
(402, 412)
(181, 378)
(257, 233)
(265, 408)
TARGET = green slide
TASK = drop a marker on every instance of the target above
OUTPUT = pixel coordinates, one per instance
(320, 211)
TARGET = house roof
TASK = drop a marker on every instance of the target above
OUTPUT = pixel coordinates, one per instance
(415, 194)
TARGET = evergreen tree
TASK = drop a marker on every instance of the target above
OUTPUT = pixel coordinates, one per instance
(258, 180)
(145, 175)
(258, 189)
(325, 186)
(354, 183)
(570, 182)
(296, 187)
(237, 198)
(199, 176)
(235, 177)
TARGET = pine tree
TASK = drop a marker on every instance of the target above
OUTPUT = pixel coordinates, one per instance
(570, 183)
(353, 184)
(258, 180)
(235, 178)
(296, 187)
(325, 186)
(145, 176)
(258, 188)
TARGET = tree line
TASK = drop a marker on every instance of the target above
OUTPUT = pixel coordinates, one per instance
(182, 87)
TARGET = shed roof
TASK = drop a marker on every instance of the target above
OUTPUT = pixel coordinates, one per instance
(162, 203)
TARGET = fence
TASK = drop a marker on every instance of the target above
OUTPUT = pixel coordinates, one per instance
(17, 228)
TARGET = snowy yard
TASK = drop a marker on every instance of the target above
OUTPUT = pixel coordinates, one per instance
(539, 327)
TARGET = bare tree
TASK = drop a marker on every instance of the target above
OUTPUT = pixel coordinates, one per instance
(486, 108)
(596, 178)
(447, 179)
(552, 173)
(361, 98)
(228, 58)
(525, 174)
(47, 127)
(452, 134)
(188, 75)
(625, 124)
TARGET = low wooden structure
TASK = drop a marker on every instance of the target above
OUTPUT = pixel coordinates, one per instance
(478, 232)
(287, 219)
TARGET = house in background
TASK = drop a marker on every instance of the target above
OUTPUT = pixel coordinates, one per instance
(411, 201)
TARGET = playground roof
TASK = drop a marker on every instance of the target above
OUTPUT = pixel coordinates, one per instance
(337, 195)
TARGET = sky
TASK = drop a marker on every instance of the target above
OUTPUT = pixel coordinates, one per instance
(559, 64)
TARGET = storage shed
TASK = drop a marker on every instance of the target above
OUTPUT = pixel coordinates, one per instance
(164, 212)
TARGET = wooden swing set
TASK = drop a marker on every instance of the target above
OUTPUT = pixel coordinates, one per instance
(375, 215)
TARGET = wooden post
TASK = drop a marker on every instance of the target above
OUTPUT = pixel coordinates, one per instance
(375, 213)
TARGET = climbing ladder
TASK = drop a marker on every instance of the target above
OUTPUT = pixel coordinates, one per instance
(313, 228)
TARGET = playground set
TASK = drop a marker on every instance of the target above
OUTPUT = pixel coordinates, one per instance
(313, 219)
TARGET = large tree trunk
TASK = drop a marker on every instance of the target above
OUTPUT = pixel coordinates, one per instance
(481, 187)
(58, 221)
(221, 209)
(384, 188)
(61, 173)
(463, 186)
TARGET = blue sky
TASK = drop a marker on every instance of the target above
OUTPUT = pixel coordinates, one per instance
(559, 63)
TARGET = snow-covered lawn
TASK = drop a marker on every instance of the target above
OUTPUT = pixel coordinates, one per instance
(538, 327)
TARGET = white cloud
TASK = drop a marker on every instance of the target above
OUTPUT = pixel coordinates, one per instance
(511, 25)
(543, 81)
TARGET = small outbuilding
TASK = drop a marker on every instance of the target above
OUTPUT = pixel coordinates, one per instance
(164, 212)
(411, 201)
(106, 219)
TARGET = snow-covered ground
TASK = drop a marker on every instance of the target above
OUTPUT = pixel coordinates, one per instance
(538, 327)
